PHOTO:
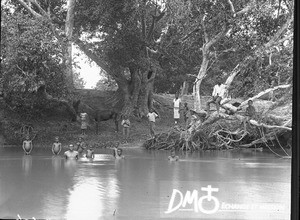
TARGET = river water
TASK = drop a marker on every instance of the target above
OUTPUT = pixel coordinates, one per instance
(236, 184)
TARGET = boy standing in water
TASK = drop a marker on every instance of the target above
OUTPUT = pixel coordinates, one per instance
(117, 152)
(56, 147)
(80, 145)
(71, 153)
(176, 102)
(126, 124)
(27, 145)
(151, 116)
(116, 149)
(173, 156)
(90, 153)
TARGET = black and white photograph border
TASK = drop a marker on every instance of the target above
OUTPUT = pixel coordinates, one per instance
(149, 109)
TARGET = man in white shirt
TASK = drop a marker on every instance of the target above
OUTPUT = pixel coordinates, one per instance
(151, 116)
(176, 102)
(218, 94)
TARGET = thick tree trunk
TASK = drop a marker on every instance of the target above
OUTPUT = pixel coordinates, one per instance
(234, 109)
(69, 33)
(185, 88)
(145, 96)
(135, 95)
(200, 77)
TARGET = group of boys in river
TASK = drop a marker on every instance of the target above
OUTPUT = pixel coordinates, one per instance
(73, 152)
(81, 149)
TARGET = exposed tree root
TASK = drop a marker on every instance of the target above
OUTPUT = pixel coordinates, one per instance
(223, 131)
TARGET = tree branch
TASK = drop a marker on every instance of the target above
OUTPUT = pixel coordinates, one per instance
(70, 19)
(189, 34)
(283, 28)
(152, 51)
(274, 40)
(247, 8)
(288, 6)
(35, 14)
(92, 56)
(231, 7)
(226, 105)
(143, 26)
(44, 13)
(255, 123)
(264, 92)
(216, 38)
(43, 16)
(204, 29)
(155, 20)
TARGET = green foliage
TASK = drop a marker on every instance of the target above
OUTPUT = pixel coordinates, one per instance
(261, 75)
(113, 29)
(30, 57)
(106, 84)
(181, 44)
(113, 26)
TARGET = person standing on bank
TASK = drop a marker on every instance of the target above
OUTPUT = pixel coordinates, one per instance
(217, 95)
(186, 112)
(84, 123)
(126, 124)
(177, 102)
(151, 117)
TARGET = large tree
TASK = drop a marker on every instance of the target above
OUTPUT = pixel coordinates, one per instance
(133, 40)
(120, 37)
(227, 37)
(33, 63)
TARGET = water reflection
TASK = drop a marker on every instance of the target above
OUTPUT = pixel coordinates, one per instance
(56, 163)
(26, 164)
(94, 193)
(70, 166)
(84, 189)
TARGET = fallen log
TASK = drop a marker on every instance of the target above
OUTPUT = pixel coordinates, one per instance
(227, 106)
(253, 122)
(231, 129)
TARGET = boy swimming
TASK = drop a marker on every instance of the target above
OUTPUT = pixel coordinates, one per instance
(27, 145)
(90, 153)
(173, 156)
(56, 147)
